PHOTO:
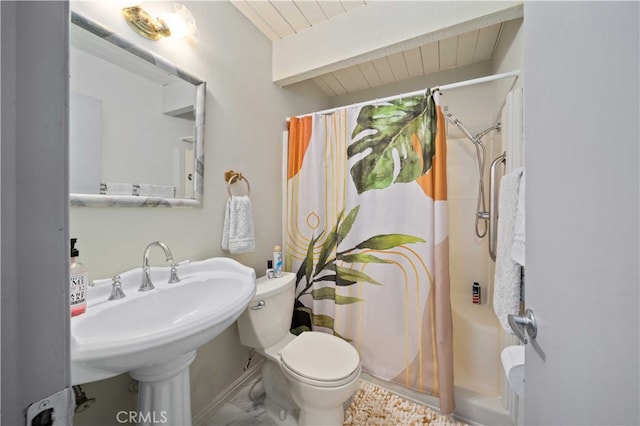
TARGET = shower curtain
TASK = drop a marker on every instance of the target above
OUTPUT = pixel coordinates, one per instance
(366, 233)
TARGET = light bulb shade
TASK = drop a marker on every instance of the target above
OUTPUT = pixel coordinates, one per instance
(185, 22)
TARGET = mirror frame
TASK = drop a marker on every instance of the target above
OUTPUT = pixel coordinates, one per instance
(97, 200)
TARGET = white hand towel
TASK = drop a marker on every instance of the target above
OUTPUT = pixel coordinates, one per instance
(506, 286)
(237, 233)
(164, 191)
(111, 188)
(517, 250)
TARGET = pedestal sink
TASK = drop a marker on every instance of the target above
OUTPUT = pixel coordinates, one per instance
(154, 335)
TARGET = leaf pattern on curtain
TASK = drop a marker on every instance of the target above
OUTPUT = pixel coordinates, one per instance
(406, 127)
(395, 142)
(326, 269)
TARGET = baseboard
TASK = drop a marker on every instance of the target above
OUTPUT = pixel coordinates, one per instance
(203, 416)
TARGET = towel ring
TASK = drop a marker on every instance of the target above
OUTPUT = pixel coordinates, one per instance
(232, 177)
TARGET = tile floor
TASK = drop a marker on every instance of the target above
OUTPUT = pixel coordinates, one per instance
(242, 410)
(246, 408)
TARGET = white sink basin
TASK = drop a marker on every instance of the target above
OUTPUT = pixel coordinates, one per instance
(156, 327)
(513, 364)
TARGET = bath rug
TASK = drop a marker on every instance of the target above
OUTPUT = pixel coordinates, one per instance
(375, 406)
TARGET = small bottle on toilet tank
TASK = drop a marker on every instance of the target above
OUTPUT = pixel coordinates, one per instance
(270, 274)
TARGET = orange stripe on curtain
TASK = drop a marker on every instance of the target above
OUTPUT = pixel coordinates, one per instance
(434, 182)
(299, 137)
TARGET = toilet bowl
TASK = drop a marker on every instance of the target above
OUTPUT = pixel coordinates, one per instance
(307, 378)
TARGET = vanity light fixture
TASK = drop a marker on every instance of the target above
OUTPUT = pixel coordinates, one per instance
(181, 23)
(144, 24)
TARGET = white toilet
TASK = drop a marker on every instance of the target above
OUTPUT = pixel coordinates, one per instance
(314, 372)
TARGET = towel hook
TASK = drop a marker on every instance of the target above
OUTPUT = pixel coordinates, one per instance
(232, 177)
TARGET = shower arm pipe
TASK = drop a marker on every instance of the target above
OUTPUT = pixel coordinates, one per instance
(442, 88)
(493, 204)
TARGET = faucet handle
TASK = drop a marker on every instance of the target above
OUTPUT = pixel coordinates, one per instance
(116, 289)
(174, 274)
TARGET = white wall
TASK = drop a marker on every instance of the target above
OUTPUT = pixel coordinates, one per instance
(476, 332)
(245, 118)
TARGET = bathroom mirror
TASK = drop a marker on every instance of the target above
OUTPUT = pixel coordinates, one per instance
(136, 124)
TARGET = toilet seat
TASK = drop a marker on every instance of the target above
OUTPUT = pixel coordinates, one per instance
(320, 359)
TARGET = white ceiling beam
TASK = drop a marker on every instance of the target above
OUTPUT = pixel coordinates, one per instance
(379, 29)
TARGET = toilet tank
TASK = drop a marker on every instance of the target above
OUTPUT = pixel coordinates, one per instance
(261, 327)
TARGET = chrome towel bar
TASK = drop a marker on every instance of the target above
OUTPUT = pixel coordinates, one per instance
(493, 204)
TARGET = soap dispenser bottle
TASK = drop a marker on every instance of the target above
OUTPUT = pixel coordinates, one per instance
(78, 280)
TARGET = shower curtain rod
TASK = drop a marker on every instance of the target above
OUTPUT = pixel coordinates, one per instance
(442, 88)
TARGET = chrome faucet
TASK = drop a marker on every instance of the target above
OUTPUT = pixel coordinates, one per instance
(146, 284)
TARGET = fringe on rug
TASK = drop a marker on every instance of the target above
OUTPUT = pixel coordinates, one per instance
(374, 406)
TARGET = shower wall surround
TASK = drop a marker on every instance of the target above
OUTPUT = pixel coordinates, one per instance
(235, 60)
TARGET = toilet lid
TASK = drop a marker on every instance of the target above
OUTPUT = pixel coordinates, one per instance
(320, 356)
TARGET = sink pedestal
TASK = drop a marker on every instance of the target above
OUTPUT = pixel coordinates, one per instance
(163, 392)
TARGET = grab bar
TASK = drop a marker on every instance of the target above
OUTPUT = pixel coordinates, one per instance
(493, 204)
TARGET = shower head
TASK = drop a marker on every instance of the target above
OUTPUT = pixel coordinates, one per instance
(453, 120)
(477, 139)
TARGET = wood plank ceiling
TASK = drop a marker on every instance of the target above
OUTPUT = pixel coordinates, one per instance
(278, 19)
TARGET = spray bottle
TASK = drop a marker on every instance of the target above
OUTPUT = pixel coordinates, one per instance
(277, 261)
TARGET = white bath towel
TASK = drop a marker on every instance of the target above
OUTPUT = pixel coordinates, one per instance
(237, 232)
(506, 287)
(517, 250)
